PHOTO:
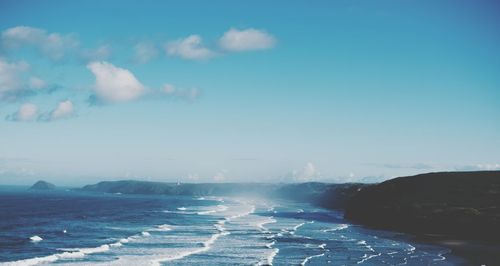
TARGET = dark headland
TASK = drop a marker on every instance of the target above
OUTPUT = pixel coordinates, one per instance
(42, 185)
(459, 210)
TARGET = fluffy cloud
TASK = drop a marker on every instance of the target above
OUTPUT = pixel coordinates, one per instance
(11, 78)
(114, 84)
(181, 93)
(53, 45)
(64, 109)
(145, 52)
(27, 112)
(189, 48)
(245, 40)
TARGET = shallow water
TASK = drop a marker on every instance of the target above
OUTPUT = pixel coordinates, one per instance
(75, 228)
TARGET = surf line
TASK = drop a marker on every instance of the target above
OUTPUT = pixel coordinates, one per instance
(221, 231)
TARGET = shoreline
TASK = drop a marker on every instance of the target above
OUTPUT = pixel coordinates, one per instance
(473, 251)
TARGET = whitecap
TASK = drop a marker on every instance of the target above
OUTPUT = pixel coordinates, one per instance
(310, 257)
(163, 227)
(338, 228)
(367, 257)
(36, 239)
(206, 246)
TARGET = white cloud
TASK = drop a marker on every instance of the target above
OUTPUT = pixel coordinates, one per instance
(63, 110)
(308, 173)
(189, 48)
(37, 83)
(245, 40)
(145, 52)
(53, 45)
(27, 112)
(114, 84)
(181, 93)
(10, 78)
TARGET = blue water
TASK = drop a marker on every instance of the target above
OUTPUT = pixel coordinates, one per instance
(76, 228)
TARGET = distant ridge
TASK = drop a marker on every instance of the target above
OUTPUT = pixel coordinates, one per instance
(327, 195)
(42, 185)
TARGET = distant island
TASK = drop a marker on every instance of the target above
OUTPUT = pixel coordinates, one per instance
(42, 185)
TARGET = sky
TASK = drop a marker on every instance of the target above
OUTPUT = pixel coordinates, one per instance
(247, 91)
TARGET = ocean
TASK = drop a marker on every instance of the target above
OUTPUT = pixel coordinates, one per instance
(65, 227)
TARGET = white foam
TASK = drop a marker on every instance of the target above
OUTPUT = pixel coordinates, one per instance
(219, 208)
(145, 233)
(322, 246)
(32, 261)
(310, 257)
(440, 257)
(179, 255)
(181, 208)
(35, 239)
(363, 243)
(367, 257)
(76, 254)
(269, 259)
(163, 227)
(338, 228)
(261, 224)
(292, 231)
(243, 214)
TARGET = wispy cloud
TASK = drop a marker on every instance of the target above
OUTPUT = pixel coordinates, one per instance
(188, 94)
(190, 47)
(235, 40)
(418, 166)
(53, 45)
(102, 52)
(479, 167)
(11, 79)
(37, 83)
(145, 52)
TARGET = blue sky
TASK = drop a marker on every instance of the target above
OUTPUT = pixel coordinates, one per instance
(204, 91)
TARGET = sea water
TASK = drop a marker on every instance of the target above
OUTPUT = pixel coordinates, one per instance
(76, 228)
